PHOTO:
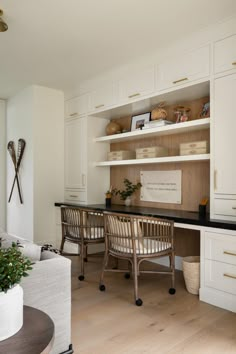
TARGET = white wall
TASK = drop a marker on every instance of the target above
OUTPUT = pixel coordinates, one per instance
(48, 161)
(37, 115)
(20, 114)
(2, 165)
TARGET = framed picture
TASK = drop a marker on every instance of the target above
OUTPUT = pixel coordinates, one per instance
(138, 121)
(205, 111)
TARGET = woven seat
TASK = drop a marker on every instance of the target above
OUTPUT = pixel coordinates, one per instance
(83, 227)
(136, 239)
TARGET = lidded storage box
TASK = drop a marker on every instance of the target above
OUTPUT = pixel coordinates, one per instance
(121, 155)
(153, 151)
(196, 147)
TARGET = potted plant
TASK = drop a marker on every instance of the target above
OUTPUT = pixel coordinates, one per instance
(13, 266)
(127, 192)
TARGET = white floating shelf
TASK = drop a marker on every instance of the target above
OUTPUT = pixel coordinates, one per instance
(197, 124)
(168, 159)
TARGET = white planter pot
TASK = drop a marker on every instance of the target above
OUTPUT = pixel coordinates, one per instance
(128, 201)
(11, 312)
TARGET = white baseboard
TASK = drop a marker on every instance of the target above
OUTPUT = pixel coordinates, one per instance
(218, 298)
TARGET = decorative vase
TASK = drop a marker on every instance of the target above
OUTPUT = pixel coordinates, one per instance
(11, 312)
(128, 201)
(113, 128)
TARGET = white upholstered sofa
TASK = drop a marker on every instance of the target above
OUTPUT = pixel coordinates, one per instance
(48, 288)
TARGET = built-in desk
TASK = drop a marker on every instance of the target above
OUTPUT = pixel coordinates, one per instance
(214, 240)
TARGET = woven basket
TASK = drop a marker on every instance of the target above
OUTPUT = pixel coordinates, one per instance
(191, 270)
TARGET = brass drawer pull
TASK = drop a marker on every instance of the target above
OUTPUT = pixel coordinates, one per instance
(134, 95)
(229, 275)
(180, 80)
(230, 253)
(99, 106)
(234, 208)
(234, 63)
(73, 114)
(73, 196)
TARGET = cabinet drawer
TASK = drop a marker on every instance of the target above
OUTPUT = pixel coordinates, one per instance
(225, 207)
(184, 68)
(225, 55)
(103, 97)
(76, 106)
(220, 247)
(220, 276)
(75, 196)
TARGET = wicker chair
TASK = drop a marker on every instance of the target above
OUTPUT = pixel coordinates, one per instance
(138, 238)
(83, 227)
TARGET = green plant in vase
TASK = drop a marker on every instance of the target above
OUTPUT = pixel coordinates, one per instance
(128, 191)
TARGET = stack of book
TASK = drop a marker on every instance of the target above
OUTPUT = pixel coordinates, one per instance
(156, 123)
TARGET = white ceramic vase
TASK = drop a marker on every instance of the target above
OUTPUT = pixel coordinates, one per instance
(128, 201)
(11, 312)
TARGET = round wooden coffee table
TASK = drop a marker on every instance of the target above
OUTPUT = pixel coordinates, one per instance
(36, 335)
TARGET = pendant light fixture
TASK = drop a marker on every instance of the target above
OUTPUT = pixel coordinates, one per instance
(3, 25)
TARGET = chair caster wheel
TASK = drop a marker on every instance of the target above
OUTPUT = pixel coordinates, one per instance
(139, 302)
(86, 259)
(172, 291)
(81, 277)
(102, 287)
(127, 275)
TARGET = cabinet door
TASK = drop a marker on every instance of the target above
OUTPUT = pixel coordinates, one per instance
(137, 85)
(225, 135)
(76, 106)
(225, 55)
(184, 68)
(75, 153)
(102, 98)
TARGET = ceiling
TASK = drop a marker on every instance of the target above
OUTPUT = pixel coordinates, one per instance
(59, 43)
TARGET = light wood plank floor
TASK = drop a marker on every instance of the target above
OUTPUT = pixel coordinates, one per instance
(109, 322)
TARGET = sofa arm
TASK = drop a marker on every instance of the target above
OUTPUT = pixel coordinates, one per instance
(48, 288)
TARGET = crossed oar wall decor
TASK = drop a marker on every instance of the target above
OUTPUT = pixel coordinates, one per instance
(16, 162)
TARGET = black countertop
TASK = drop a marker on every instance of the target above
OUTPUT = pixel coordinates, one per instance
(179, 216)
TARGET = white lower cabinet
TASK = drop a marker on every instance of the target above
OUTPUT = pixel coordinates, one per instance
(218, 268)
(84, 182)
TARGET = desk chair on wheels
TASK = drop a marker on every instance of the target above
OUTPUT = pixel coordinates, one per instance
(138, 238)
(83, 227)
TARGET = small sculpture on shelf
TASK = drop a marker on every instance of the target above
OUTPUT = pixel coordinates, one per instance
(181, 113)
(113, 128)
(159, 112)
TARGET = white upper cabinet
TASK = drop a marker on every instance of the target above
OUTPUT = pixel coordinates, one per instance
(184, 68)
(134, 86)
(225, 55)
(103, 97)
(76, 106)
(75, 153)
(224, 135)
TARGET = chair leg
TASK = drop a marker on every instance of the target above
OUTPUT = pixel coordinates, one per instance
(62, 245)
(172, 289)
(105, 263)
(138, 301)
(81, 276)
(86, 253)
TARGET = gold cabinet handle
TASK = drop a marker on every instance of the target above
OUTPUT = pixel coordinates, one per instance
(180, 80)
(73, 196)
(134, 95)
(99, 106)
(73, 114)
(234, 208)
(230, 253)
(229, 276)
(234, 63)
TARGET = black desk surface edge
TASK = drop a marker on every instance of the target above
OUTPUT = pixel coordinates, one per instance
(178, 216)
